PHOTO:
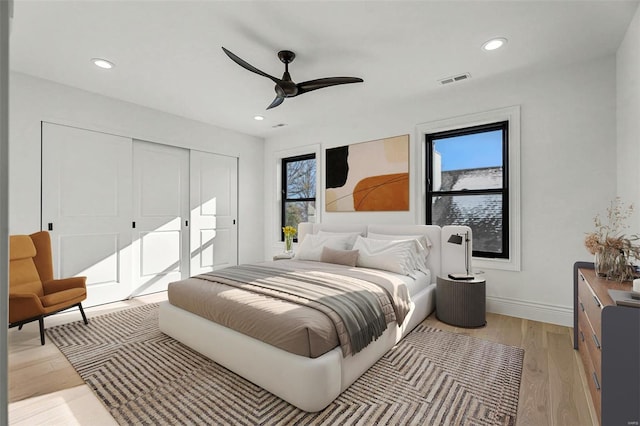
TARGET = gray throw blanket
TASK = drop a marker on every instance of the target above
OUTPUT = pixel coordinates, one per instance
(359, 309)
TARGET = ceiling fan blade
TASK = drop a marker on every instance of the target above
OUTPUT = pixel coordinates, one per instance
(307, 86)
(246, 65)
(277, 101)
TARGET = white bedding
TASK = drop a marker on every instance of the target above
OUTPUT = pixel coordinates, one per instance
(308, 383)
(415, 285)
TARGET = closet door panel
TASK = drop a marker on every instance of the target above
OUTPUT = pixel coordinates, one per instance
(161, 209)
(86, 200)
(214, 207)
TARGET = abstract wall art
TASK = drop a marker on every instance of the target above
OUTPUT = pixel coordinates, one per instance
(368, 176)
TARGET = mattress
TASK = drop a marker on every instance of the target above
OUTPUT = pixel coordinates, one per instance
(297, 329)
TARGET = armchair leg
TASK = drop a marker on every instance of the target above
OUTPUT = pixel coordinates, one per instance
(20, 326)
(84, 317)
(41, 321)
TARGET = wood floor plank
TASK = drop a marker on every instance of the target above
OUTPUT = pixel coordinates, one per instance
(74, 406)
(30, 362)
(584, 404)
(533, 406)
(562, 379)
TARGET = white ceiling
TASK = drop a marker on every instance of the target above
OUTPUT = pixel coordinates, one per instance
(168, 53)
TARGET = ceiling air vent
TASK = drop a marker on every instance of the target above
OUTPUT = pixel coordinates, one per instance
(455, 78)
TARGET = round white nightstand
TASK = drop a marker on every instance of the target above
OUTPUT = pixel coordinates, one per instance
(461, 303)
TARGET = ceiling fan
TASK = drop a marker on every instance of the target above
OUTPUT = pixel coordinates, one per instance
(285, 87)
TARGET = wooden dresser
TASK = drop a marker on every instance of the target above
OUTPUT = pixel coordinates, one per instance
(607, 337)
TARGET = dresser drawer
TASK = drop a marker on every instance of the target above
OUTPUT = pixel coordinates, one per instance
(590, 305)
(588, 340)
(593, 377)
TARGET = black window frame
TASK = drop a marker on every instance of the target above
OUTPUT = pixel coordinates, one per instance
(504, 191)
(283, 189)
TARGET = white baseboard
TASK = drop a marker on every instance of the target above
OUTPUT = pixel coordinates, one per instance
(554, 314)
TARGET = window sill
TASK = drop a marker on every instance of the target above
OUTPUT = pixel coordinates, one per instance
(499, 264)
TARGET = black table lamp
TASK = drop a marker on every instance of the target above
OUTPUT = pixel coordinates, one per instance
(459, 239)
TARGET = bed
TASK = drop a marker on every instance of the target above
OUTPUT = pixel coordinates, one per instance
(309, 380)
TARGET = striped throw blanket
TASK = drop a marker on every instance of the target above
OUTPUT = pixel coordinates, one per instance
(359, 309)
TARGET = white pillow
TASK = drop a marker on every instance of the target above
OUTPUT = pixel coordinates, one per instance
(394, 256)
(311, 247)
(418, 254)
(422, 239)
(352, 236)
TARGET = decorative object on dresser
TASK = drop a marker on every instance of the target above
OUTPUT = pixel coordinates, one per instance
(607, 336)
(613, 251)
(461, 302)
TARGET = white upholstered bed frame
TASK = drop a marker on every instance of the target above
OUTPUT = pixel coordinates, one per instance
(308, 383)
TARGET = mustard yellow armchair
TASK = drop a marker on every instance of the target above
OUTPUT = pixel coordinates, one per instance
(33, 293)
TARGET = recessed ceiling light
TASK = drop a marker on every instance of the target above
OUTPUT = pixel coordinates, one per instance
(102, 63)
(494, 43)
(258, 117)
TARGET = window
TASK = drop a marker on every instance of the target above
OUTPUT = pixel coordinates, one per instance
(468, 184)
(298, 190)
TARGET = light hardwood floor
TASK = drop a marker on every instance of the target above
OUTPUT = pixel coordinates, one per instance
(45, 389)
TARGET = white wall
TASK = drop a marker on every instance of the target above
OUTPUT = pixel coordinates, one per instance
(5, 20)
(33, 100)
(568, 140)
(628, 118)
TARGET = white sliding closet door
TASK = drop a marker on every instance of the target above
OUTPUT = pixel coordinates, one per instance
(86, 202)
(214, 207)
(161, 212)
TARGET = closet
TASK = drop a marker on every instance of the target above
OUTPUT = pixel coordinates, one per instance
(133, 216)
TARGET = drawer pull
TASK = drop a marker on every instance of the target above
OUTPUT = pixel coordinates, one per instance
(595, 299)
(582, 306)
(581, 335)
(595, 380)
(596, 341)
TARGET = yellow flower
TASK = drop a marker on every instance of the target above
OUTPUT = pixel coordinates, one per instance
(289, 231)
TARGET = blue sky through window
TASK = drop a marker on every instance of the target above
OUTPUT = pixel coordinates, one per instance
(471, 151)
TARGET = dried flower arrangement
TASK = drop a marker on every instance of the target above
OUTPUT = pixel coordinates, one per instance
(614, 251)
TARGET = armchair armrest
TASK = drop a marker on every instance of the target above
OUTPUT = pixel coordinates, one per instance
(54, 286)
(24, 306)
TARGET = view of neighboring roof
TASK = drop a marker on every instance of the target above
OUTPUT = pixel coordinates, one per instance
(483, 213)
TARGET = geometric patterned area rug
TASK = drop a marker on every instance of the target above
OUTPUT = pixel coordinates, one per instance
(431, 377)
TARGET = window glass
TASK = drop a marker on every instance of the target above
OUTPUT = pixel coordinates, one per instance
(301, 178)
(483, 213)
(298, 190)
(467, 184)
(470, 161)
(299, 211)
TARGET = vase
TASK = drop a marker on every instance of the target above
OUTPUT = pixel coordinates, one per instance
(612, 264)
(604, 262)
(288, 243)
(622, 269)
(597, 264)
